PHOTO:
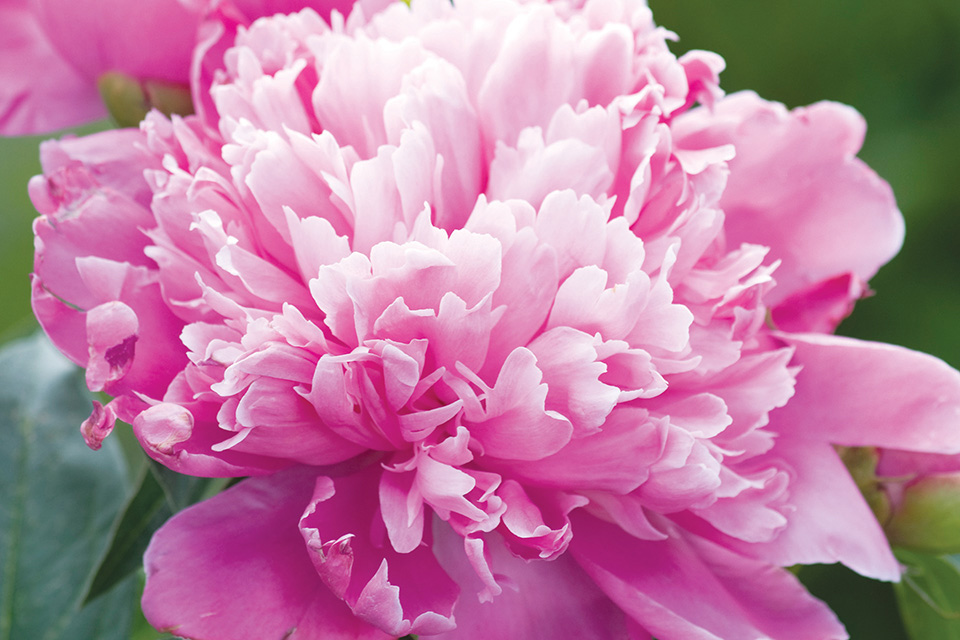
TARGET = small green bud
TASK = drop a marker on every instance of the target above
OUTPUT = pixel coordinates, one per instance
(169, 98)
(124, 98)
(927, 516)
(129, 100)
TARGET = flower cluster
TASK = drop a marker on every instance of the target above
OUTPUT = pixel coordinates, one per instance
(519, 326)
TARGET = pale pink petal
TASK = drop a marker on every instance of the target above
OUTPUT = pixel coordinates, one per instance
(532, 66)
(355, 83)
(434, 95)
(796, 187)
(572, 370)
(894, 387)
(515, 424)
(617, 459)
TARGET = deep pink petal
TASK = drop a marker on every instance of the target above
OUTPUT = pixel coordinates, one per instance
(235, 568)
(540, 600)
(821, 307)
(907, 464)
(168, 433)
(40, 90)
(98, 426)
(681, 589)
(400, 593)
(109, 35)
(828, 519)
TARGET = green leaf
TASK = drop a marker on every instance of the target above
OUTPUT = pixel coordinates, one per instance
(159, 494)
(57, 501)
(929, 595)
(182, 491)
(145, 511)
(866, 607)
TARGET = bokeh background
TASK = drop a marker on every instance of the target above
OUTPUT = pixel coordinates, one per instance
(897, 63)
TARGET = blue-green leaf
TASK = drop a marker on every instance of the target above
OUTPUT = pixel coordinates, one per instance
(158, 495)
(57, 501)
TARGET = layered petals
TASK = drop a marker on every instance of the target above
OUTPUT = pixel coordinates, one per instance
(400, 593)
(796, 187)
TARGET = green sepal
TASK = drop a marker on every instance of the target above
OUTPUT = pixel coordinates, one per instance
(928, 595)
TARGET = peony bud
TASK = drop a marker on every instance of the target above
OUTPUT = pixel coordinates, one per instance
(916, 498)
(927, 515)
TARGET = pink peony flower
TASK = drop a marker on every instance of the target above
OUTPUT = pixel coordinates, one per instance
(53, 53)
(479, 299)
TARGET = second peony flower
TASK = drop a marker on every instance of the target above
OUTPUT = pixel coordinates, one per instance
(517, 326)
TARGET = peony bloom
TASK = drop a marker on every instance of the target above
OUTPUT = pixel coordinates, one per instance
(58, 56)
(512, 339)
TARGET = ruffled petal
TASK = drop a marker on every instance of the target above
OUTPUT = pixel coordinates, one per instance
(827, 518)
(400, 593)
(572, 606)
(796, 186)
